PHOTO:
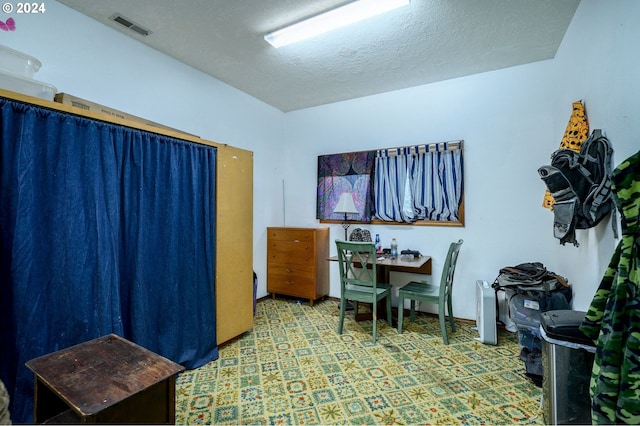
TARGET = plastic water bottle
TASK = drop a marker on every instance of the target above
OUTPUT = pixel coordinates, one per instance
(394, 248)
(378, 245)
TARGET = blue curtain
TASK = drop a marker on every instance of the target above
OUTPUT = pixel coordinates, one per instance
(104, 229)
(436, 184)
(423, 182)
(390, 185)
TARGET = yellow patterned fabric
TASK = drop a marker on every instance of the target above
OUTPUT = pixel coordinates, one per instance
(577, 131)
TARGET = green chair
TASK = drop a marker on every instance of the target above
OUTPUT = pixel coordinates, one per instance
(359, 281)
(440, 295)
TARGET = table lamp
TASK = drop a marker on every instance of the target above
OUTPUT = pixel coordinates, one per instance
(345, 205)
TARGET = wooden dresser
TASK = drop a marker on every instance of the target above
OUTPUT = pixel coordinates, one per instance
(297, 262)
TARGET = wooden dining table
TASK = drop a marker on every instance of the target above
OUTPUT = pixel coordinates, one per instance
(385, 265)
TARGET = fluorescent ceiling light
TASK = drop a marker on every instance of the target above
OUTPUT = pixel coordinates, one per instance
(331, 20)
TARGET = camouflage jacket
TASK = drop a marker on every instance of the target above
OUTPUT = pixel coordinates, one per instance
(613, 319)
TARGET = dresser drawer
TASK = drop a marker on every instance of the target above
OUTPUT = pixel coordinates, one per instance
(297, 283)
(293, 235)
(285, 268)
(288, 252)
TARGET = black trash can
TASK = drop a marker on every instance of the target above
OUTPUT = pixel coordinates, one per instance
(567, 360)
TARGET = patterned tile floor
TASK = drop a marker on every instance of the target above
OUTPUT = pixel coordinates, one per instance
(293, 368)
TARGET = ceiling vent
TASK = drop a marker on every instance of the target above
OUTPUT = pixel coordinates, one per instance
(130, 24)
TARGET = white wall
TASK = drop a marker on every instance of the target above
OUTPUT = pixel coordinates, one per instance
(598, 63)
(511, 121)
(90, 60)
(502, 116)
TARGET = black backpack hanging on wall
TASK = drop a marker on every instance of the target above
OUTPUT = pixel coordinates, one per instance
(581, 186)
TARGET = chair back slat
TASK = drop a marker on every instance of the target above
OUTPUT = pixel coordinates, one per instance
(357, 264)
(444, 298)
(448, 272)
(359, 282)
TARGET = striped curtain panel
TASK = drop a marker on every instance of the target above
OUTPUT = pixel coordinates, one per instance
(423, 182)
(391, 185)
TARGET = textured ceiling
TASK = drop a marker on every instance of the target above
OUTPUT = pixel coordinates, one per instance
(425, 42)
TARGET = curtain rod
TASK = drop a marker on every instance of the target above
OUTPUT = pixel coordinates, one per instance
(420, 149)
(94, 115)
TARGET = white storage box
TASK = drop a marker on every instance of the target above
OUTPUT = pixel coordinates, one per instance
(486, 313)
(26, 86)
(18, 63)
(529, 337)
(525, 310)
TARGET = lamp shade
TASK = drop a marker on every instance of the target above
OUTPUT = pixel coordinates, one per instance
(345, 204)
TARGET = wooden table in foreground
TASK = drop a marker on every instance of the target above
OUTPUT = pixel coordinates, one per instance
(105, 380)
